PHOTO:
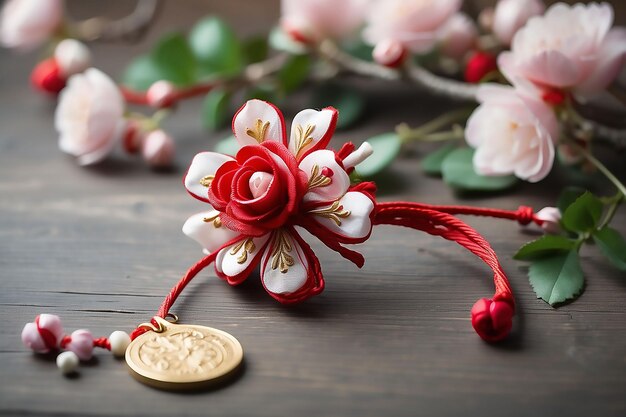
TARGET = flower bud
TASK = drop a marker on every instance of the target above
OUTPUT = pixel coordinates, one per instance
(458, 36)
(158, 149)
(47, 77)
(44, 334)
(510, 15)
(72, 57)
(133, 137)
(389, 53)
(161, 94)
(479, 65)
(298, 30)
(550, 219)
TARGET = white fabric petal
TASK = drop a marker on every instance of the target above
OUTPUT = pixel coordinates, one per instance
(204, 164)
(330, 189)
(206, 229)
(258, 121)
(310, 127)
(348, 217)
(234, 259)
(284, 267)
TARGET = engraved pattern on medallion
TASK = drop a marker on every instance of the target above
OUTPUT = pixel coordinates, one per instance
(187, 352)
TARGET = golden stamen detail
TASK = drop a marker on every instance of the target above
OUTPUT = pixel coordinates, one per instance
(317, 179)
(303, 137)
(217, 222)
(281, 257)
(207, 180)
(248, 248)
(259, 131)
(335, 212)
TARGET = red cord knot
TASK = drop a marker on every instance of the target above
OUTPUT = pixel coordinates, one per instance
(102, 342)
(492, 320)
(525, 215)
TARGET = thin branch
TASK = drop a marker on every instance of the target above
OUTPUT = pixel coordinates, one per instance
(129, 28)
(417, 75)
(252, 74)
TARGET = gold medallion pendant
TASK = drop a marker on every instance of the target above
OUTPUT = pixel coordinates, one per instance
(183, 357)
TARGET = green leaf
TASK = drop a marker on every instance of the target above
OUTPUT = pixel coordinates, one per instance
(174, 58)
(583, 214)
(557, 278)
(568, 196)
(255, 49)
(348, 101)
(294, 72)
(612, 245)
(458, 171)
(280, 41)
(228, 146)
(215, 109)
(142, 72)
(544, 246)
(431, 163)
(357, 48)
(386, 147)
(216, 47)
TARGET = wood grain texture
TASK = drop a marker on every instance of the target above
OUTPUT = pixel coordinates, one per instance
(101, 246)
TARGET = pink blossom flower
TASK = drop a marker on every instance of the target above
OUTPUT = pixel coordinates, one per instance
(510, 15)
(89, 117)
(413, 23)
(458, 36)
(274, 184)
(26, 24)
(513, 132)
(320, 19)
(570, 47)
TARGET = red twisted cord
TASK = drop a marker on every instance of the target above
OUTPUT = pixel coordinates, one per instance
(523, 215)
(491, 318)
(176, 290)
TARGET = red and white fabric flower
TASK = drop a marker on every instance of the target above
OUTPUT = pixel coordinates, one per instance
(275, 185)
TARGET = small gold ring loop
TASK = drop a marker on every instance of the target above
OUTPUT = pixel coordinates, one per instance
(173, 317)
(152, 327)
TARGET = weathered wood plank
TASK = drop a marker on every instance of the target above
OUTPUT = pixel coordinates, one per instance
(102, 246)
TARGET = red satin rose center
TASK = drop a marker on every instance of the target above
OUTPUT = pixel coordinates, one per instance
(259, 190)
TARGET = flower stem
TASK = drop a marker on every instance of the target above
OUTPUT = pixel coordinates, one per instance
(617, 200)
(601, 167)
(418, 134)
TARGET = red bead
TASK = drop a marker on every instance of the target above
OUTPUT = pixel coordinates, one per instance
(46, 77)
(480, 65)
(327, 172)
(492, 320)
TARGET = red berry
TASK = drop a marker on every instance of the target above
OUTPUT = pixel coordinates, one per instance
(46, 77)
(479, 65)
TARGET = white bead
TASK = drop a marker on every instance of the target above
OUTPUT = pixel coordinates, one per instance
(119, 341)
(67, 362)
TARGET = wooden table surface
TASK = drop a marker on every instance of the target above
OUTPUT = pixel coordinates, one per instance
(102, 246)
